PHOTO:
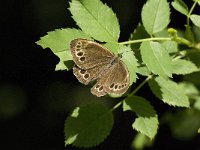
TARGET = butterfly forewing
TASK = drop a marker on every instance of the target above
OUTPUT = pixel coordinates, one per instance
(88, 54)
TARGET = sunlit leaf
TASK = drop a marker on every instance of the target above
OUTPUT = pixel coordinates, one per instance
(147, 121)
(169, 92)
(58, 41)
(156, 58)
(180, 6)
(195, 19)
(155, 15)
(95, 19)
(183, 67)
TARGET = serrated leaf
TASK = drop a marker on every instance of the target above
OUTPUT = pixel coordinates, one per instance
(183, 67)
(147, 126)
(129, 59)
(143, 70)
(139, 33)
(113, 46)
(195, 19)
(147, 121)
(65, 60)
(169, 92)
(156, 58)
(95, 19)
(88, 125)
(180, 6)
(139, 105)
(170, 46)
(58, 41)
(155, 15)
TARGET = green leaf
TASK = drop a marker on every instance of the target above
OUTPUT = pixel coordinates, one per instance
(183, 67)
(170, 46)
(195, 19)
(113, 46)
(180, 6)
(58, 41)
(139, 105)
(147, 121)
(139, 33)
(65, 60)
(147, 126)
(88, 126)
(169, 92)
(156, 58)
(155, 15)
(129, 59)
(163, 33)
(143, 70)
(95, 19)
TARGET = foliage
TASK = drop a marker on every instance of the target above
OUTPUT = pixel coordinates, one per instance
(154, 55)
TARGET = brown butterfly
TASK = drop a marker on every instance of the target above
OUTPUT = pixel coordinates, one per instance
(95, 62)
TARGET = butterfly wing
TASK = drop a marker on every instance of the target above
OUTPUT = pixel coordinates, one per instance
(116, 80)
(98, 89)
(88, 54)
(85, 76)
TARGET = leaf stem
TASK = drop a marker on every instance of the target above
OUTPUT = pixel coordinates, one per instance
(134, 91)
(147, 39)
(190, 12)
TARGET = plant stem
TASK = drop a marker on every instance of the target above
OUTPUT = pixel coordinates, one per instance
(141, 85)
(134, 91)
(190, 12)
(147, 39)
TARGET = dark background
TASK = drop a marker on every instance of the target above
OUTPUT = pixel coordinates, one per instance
(35, 100)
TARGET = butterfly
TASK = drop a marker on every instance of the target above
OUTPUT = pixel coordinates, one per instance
(93, 62)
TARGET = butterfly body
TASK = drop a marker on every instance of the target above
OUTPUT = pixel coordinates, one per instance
(95, 62)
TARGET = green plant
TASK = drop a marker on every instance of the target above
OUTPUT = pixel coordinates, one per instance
(159, 53)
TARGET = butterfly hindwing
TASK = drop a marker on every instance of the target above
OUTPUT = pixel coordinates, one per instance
(118, 80)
